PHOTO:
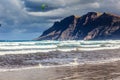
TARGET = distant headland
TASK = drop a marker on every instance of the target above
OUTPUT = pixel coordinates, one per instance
(91, 26)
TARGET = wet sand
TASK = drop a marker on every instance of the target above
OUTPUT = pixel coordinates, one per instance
(104, 71)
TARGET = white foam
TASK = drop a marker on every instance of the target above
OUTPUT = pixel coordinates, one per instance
(86, 46)
(40, 66)
(25, 51)
(100, 48)
(57, 49)
(66, 49)
(101, 42)
(69, 43)
(27, 47)
(16, 43)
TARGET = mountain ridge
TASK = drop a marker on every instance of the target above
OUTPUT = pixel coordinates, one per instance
(93, 25)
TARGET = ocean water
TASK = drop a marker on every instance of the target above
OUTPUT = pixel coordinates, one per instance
(57, 53)
(26, 47)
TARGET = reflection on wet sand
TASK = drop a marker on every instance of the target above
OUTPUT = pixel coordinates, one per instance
(103, 71)
(106, 71)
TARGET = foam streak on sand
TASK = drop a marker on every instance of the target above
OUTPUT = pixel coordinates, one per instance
(26, 51)
(71, 64)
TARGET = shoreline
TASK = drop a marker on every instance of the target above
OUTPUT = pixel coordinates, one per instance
(104, 71)
(58, 66)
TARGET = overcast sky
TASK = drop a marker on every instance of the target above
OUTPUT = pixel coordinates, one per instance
(24, 19)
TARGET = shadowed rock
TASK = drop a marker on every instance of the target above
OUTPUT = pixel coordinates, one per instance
(92, 25)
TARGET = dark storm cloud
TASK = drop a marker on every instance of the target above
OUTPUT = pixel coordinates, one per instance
(61, 8)
(36, 6)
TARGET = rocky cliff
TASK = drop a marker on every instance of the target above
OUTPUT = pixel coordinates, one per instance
(92, 25)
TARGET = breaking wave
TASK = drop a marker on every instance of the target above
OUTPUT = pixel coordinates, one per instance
(25, 47)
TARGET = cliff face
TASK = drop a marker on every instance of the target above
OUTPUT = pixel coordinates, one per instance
(93, 25)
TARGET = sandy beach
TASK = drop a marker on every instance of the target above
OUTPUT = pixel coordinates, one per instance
(105, 71)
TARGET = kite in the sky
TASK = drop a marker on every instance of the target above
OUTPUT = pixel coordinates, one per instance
(43, 6)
